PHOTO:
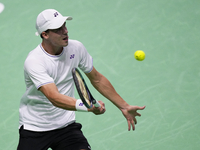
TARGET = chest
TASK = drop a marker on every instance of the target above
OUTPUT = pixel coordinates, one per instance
(60, 68)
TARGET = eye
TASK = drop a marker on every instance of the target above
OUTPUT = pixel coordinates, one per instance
(57, 30)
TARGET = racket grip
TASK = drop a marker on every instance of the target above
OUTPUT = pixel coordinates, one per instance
(96, 103)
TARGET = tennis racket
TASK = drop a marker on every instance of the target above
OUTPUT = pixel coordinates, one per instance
(83, 91)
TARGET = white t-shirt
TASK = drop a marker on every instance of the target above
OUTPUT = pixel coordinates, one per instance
(36, 112)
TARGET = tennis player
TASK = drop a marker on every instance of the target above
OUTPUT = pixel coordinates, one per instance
(47, 108)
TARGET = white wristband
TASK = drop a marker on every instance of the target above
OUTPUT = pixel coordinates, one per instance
(80, 106)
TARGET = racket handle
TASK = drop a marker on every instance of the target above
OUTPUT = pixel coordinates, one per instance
(96, 103)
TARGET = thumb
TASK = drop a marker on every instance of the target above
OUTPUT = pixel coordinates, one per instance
(141, 108)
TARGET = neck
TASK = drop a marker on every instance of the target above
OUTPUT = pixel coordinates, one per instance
(51, 49)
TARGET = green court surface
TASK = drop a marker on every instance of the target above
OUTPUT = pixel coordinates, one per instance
(167, 81)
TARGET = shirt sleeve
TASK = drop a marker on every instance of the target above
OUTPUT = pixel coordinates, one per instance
(36, 72)
(86, 62)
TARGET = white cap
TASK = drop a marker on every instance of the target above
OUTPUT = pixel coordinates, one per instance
(50, 19)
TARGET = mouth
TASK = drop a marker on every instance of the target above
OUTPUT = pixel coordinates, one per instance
(65, 39)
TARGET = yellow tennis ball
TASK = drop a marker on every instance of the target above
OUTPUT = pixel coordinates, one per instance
(139, 55)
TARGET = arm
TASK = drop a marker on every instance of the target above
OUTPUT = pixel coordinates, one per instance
(102, 84)
(63, 101)
(57, 99)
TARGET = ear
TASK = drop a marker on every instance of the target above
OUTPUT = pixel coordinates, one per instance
(45, 35)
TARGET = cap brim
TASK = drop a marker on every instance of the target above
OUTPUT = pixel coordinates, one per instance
(58, 23)
(68, 18)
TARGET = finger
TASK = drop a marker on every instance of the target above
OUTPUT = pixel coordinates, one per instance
(129, 125)
(141, 108)
(103, 104)
(133, 125)
(135, 120)
(103, 110)
(138, 114)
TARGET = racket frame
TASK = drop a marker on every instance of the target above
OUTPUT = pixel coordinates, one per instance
(91, 98)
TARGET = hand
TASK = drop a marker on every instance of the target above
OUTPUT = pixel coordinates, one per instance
(98, 110)
(130, 113)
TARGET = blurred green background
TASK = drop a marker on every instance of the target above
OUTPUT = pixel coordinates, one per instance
(167, 81)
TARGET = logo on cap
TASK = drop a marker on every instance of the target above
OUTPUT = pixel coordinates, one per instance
(55, 14)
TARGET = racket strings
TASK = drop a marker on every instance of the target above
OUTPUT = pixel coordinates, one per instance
(83, 89)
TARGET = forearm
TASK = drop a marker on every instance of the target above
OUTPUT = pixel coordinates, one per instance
(57, 99)
(66, 102)
(104, 86)
(63, 101)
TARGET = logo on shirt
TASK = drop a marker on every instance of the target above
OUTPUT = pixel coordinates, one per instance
(72, 56)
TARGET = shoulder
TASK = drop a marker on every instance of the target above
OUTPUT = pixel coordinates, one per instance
(34, 57)
(35, 53)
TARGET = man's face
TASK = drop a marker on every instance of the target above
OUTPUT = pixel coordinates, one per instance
(58, 37)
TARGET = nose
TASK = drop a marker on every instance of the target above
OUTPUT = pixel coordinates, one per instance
(65, 31)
